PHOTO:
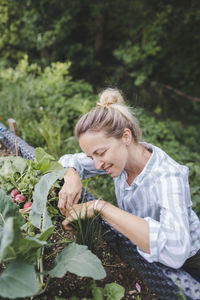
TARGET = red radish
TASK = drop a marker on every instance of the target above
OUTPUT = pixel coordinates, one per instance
(14, 193)
(27, 204)
(20, 198)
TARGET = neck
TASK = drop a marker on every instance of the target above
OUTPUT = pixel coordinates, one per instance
(138, 158)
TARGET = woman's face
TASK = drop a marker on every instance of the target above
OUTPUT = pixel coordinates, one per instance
(109, 154)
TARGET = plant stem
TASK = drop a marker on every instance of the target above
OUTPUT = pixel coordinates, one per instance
(41, 266)
(2, 218)
(58, 233)
(20, 177)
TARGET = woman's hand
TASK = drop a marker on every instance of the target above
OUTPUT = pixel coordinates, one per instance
(78, 211)
(71, 190)
(89, 209)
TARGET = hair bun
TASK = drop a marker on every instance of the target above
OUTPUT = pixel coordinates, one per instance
(109, 97)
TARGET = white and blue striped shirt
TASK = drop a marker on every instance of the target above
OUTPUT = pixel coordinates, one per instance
(161, 195)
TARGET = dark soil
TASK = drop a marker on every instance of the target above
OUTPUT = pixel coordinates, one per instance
(73, 285)
(116, 271)
(4, 151)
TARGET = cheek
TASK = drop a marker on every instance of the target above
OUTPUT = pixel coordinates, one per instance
(120, 157)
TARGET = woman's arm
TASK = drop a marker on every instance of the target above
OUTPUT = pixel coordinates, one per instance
(133, 227)
(166, 240)
(79, 166)
(81, 163)
(169, 234)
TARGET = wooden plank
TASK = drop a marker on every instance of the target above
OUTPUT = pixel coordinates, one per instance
(13, 126)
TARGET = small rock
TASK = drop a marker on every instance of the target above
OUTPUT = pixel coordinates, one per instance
(120, 276)
(132, 292)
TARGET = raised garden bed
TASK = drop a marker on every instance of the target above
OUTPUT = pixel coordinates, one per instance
(128, 267)
(72, 285)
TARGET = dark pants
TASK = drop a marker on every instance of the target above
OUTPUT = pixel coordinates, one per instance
(192, 266)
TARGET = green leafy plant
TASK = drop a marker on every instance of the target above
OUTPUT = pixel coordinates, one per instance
(46, 103)
(21, 252)
(23, 240)
(22, 174)
(111, 291)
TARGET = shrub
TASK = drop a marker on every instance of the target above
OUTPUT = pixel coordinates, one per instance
(45, 103)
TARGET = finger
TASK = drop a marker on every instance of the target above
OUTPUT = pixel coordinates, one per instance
(70, 200)
(73, 213)
(66, 225)
(77, 198)
(62, 195)
(62, 206)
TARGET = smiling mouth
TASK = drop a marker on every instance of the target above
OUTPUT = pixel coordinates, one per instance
(108, 169)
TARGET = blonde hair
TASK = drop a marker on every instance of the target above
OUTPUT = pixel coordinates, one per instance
(111, 115)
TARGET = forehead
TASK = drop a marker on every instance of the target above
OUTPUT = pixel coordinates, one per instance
(93, 141)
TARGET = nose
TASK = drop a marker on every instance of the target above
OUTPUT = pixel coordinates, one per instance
(98, 163)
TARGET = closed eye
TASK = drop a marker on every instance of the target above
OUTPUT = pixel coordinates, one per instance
(98, 154)
(102, 153)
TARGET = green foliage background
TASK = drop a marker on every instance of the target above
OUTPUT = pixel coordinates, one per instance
(55, 56)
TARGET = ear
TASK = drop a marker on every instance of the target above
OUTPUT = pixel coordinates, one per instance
(127, 137)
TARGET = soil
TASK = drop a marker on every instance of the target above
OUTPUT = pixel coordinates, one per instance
(4, 151)
(73, 285)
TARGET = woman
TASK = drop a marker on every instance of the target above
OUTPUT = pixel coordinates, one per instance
(152, 190)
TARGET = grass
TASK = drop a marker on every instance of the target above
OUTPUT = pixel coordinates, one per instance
(88, 230)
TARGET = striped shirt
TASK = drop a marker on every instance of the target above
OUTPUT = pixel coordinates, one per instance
(161, 195)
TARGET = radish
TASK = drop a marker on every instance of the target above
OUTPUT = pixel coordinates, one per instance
(27, 204)
(14, 193)
(20, 198)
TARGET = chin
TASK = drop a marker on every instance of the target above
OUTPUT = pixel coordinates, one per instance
(115, 175)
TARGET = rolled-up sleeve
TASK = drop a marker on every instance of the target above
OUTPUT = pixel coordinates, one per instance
(83, 164)
(169, 237)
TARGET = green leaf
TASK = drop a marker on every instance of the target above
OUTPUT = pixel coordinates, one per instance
(98, 293)
(13, 164)
(46, 162)
(8, 209)
(40, 154)
(52, 166)
(6, 250)
(113, 291)
(11, 168)
(46, 234)
(79, 260)
(39, 216)
(14, 244)
(18, 280)
(7, 168)
(20, 164)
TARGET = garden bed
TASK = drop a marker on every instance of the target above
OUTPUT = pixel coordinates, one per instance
(72, 285)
